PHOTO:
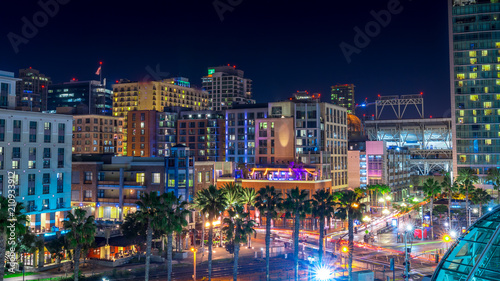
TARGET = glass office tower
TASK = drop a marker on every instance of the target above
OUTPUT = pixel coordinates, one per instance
(475, 83)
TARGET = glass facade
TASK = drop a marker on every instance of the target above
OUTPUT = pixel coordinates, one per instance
(476, 82)
(476, 255)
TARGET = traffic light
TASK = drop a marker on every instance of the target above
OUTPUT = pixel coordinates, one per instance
(345, 249)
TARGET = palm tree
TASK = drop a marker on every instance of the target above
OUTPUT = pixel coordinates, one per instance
(81, 234)
(8, 218)
(431, 189)
(494, 177)
(349, 206)
(210, 202)
(56, 248)
(174, 212)
(232, 194)
(149, 214)
(248, 196)
(449, 188)
(480, 197)
(237, 228)
(379, 188)
(297, 205)
(467, 178)
(323, 208)
(268, 202)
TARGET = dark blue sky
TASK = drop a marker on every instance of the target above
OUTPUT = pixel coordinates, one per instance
(284, 46)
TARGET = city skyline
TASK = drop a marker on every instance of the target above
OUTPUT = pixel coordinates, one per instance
(275, 75)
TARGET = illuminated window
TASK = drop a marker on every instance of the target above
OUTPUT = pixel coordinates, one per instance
(488, 112)
(487, 104)
(497, 96)
(461, 121)
(460, 83)
(472, 75)
(474, 97)
(462, 112)
(498, 82)
(139, 178)
(487, 158)
(488, 141)
(474, 112)
(497, 44)
(487, 127)
(486, 67)
(460, 76)
(472, 54)
(473, 61)
(474, 119)
(486, 89)
(463, 158)
(484, 53)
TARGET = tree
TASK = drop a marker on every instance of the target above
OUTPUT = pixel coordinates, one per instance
(56, 248)
(173, 212)
(149, 214)
(349, 207)
(466, 179)
(248, 196)
(494, 177)
(232, 195)
(449, 187)
(431, 189)
(378, 188)
(323, 207)
(81, 233)
(237, 228)
(296, 205)
(10, 221)
(210, 202)
(480, 197)
(268, 202)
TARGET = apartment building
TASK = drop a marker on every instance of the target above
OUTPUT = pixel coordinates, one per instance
(204, 133)
(35, 153)
(97, 134)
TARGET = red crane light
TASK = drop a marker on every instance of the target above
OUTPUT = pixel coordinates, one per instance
(421, 93)
(100, 62)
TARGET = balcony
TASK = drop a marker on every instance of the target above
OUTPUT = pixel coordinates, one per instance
(108, 200)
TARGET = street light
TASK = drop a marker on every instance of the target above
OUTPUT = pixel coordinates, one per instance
(453, 234)
(447, 238)
(385, 211)
(194, 250)
(388, 198)
(323, 273)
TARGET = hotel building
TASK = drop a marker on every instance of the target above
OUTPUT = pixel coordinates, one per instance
(35, 152)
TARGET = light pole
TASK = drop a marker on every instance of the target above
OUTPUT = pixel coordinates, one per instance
(194, 250)
(408, 229)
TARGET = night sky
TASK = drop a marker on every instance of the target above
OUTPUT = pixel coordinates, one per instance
(283, 46)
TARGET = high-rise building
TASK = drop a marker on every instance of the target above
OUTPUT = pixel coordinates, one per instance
(240, 132)
(318, 127)
(7, 89)
(157, 96)
(204, 133)
(31, 92)
(179, 172)
(227, 87)
(474, 40)
(35, 161)
(141, 133)
(88, 97)
(343, 95)
(97, 134)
